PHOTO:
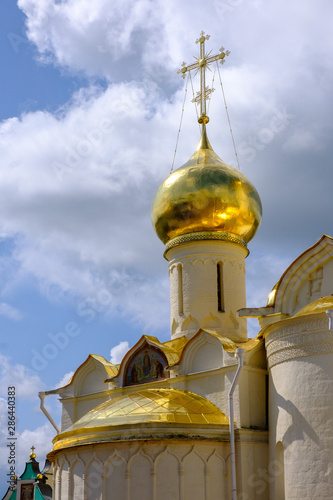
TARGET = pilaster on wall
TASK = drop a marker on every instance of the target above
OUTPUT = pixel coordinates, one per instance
(207, 287)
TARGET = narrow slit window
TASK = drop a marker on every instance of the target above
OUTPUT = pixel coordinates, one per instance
(180, 289)
(220, 304)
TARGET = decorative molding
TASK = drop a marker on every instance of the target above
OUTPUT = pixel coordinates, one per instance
(302, 339)
(196, 345)
(308, 325)
(163, 453)
(300, 352)
(300, 270)
(311, 339)
(204, 235)
(189, 323)
(125, 456)
(210, 322)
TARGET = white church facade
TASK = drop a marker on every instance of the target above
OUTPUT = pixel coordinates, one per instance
(157, 426)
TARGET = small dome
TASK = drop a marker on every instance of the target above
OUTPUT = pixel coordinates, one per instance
(206, 195)
(151, 407)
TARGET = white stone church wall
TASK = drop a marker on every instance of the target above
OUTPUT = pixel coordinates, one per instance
(150, 471)
(300, 357)
(193, 288)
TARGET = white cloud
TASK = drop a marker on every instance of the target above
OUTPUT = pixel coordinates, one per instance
(65, 380)
(76, 195)
(26, 385)
(41, 438)
(79, 186)
(81, 35)
(10, 312)
(304, 140)
(118, 352)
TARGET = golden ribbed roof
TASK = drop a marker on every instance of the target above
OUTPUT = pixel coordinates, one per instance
(154, 405)
(317, 306)
(149, 406)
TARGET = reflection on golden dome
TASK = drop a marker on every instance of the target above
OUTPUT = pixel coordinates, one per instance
(206, 195)
(317, 306)
(272, 295)
(151, 407)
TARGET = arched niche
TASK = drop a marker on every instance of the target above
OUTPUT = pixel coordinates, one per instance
(204, 352)
(145, 365)
(167, 476)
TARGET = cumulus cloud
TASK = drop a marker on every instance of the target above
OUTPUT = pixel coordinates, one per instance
(118, 352)
(14, 374)
(75, 197)
(41, 438)
(65, 380)
(82, 180)
(82, 36)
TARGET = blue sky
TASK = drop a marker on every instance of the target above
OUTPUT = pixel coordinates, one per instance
(90, 109)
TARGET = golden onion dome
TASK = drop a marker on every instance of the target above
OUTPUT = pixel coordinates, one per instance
(206, 199)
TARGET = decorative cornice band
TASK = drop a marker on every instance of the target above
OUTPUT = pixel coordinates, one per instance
(293, 325)
(284, 346)
(205, 235)
(300, 352)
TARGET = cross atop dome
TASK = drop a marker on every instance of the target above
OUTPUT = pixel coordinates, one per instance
(203, 62)
(33, 454)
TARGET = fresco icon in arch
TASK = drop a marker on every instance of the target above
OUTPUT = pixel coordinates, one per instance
(147, 365)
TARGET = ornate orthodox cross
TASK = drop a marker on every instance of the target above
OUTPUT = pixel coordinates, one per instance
(203, 62)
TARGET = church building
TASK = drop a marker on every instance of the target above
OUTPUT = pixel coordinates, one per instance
(210, 414)
(33, 484)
